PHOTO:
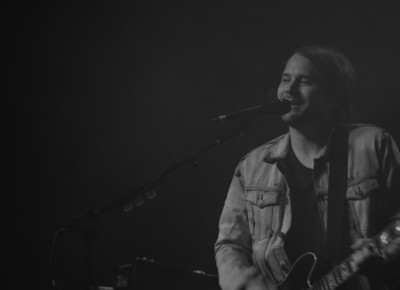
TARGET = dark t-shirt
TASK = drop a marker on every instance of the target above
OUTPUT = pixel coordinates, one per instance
(306, 232)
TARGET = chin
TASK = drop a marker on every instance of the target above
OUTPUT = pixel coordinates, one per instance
(290, 118)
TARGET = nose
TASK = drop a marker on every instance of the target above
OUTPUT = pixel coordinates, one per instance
(288, 87)
(292, 86)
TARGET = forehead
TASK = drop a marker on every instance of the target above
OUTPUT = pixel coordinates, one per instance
(299, 65)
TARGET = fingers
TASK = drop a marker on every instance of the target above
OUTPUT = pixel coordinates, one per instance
(359, 243)
(358, 258)
(364, 258)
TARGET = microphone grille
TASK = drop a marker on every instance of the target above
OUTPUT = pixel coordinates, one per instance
(277, 107)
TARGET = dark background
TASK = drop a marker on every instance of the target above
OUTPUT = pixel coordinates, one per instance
(100, 96)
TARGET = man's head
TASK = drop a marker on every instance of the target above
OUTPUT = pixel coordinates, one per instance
(319, 82)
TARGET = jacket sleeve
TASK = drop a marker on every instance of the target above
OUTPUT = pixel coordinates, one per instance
(233, 248)
(390, 171)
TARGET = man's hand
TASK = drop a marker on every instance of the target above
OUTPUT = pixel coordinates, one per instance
(364, 259)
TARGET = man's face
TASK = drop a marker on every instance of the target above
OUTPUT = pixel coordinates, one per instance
(309, 99)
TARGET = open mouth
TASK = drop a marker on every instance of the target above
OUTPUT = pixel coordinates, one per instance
(294, 102)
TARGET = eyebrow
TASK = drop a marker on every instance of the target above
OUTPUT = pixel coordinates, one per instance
(300, 75)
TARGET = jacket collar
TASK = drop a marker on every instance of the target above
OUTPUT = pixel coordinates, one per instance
(278, 150)
(280, 147)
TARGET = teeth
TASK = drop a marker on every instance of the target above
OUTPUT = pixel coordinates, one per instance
(294, 102)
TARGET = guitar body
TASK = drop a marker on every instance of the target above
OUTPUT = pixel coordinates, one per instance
(306, 271)
(302, 274)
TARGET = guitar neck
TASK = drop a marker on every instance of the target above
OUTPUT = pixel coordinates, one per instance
(336, 277)
(343, 271)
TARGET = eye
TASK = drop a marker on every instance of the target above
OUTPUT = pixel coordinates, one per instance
(285, 79)
(307, 81)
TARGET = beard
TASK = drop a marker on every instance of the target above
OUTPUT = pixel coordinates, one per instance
(303, 119)
(294, 116)
(298, 117)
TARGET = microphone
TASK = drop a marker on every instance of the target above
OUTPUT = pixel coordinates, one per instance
(272, 108)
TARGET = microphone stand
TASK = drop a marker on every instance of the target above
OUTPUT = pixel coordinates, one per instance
(85, 223)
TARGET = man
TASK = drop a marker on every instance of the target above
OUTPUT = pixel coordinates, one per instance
(277, 204)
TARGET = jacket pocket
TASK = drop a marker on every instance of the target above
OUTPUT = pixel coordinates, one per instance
(362, 189)
(363, 203)
(262, 206)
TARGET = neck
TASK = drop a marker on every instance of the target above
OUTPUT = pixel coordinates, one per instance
(309, 142)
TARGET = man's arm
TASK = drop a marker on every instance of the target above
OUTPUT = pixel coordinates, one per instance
(233, 249)
(364, 259)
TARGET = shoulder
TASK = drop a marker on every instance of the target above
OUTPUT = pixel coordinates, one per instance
(365, 128)
(365, 132)
(267, 149)
(370, 137)
(256, 164)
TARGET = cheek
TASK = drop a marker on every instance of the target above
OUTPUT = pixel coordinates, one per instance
(321, 102)
(280, 92)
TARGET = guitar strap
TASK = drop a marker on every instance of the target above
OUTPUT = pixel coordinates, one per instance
(337, 207)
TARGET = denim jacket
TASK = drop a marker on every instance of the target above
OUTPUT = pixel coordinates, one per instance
(257, 212)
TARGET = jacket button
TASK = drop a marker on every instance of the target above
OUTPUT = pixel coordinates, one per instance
(284, 268)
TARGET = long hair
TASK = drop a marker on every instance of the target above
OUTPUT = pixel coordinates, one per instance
(335, 71)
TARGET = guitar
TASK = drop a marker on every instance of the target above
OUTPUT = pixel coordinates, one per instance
(301, 274)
